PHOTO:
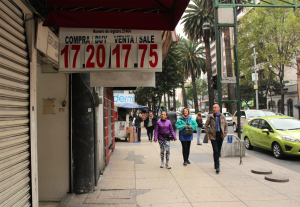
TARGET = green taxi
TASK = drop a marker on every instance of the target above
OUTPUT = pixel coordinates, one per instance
(280, 134)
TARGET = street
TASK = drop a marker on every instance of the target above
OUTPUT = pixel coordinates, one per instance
(291, 163)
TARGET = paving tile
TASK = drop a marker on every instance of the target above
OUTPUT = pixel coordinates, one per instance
(189, 172)
(48, 204)
(160, 196)
(227, 181)
(156, 183)
(119, 174)
(119, 167)
(168, 205)
(253, 193)
(159, 173)
(196, 182)
(277, 203)
(116, 183)
(200, 195)
(109, 205)
(219, 204)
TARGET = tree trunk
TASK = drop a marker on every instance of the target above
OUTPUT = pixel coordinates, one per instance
(194, 92)
(154, 105)
(231, 91)
(281, 90)
(209, 72)
(184, 97)
(165, 101)
(174, 99)
(169, 104)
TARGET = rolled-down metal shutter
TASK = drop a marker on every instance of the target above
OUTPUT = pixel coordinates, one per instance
(14, 108)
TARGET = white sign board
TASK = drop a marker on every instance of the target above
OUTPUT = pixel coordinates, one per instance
(121, 98)
(254, 76)
(47, 42)
(109, 50)
(117, 79)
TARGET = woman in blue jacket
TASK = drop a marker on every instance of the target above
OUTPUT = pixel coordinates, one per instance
(186, 122)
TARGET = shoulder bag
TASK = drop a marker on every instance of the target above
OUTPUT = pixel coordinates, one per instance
(188, 131)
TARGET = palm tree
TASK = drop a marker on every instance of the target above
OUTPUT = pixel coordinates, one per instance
(193, 61)
(199, 12)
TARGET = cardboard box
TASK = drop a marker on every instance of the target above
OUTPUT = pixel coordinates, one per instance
(128, 129)
(133, 137)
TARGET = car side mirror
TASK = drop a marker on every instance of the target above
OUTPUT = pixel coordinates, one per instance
(265, 131)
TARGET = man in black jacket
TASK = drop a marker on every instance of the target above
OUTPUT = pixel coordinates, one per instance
(150, 123)
(172, 116)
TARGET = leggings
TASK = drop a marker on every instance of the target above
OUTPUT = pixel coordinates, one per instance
(164, 145)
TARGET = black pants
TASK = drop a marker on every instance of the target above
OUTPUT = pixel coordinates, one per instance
(186, 150)
(150, 132)
(138, 131)
(217, 146)
(174, 128)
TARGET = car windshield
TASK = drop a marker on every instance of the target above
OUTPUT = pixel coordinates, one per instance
(204, 117)
(228, 115)
(253, 114)
(269, 113)
(285, 124)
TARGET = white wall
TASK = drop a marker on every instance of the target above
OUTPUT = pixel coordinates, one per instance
(52, 137)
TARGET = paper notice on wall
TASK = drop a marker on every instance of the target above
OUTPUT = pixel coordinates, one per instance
(48, 106)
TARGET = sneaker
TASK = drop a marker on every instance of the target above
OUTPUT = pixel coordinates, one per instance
(168, 166)
(188, 162)
(199, 144)
(217, 170)
(162, 165)
(185, 163)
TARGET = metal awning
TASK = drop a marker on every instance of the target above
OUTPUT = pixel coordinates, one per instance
(119, 14)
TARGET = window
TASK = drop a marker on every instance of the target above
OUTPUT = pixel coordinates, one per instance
(254, 123)
(265, 125)
(243, 113)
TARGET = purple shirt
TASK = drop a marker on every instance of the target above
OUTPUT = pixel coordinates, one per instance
(163, 127)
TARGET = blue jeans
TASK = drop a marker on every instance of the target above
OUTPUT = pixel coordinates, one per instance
(217, 146)
(199, 129)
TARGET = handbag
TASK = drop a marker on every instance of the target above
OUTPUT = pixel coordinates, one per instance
(170, 137)
(188, 131)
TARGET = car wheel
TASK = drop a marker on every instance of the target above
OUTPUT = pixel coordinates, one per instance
(277, 151)
(248, 144)
(234, 127)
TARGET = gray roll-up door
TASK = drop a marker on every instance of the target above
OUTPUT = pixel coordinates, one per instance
(15, 189)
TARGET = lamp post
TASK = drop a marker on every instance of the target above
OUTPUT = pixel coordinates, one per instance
(256, 78)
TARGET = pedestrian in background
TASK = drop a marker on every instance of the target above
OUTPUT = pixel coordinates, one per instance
(186, 125)
(172, 116)
(199, 127)
(150, 123)
(216, 132)
(162, 132)
(137, 123)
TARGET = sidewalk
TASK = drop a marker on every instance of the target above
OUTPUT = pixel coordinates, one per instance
(133, 178)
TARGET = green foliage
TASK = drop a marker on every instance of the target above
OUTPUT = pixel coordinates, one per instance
(201, 88)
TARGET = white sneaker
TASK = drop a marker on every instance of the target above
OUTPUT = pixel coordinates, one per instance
(168, 166)
(162, 165)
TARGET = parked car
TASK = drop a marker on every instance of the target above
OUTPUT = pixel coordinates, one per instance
(228, 118)
(279, 114)
(246, 115)
(278, 134)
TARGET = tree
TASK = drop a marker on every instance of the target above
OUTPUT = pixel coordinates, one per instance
(275, 35)
(193, 62)
(199, 12)
(201, 88)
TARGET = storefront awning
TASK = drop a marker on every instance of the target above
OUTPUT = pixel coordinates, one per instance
(133, 106)
(119, 14)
